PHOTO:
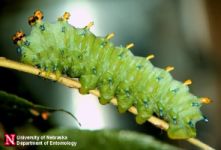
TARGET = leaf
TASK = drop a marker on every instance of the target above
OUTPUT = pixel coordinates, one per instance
(106, 139)
(13, 106)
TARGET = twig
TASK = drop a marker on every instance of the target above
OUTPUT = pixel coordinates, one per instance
(75, 84)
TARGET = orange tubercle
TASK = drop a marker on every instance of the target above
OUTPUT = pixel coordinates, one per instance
(45, 115)
(187, 82)
(18, 36)
(205, 100)
(38, 14)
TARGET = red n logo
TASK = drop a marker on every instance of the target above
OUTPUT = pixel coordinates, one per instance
(10, 140)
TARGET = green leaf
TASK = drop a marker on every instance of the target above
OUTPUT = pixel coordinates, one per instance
(13, 105)
(106, 140)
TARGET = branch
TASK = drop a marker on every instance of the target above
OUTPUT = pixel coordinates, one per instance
(6, 63)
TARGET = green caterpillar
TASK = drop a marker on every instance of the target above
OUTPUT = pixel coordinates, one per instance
(114, 71)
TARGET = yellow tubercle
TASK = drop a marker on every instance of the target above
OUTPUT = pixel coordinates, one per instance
(130, 45)
(90, 24)
(110, 36)
(66, 16)
(169, 68)
(205, 100)
(151, 56)
(187, 82)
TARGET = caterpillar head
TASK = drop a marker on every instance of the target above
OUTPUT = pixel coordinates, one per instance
(40, 44)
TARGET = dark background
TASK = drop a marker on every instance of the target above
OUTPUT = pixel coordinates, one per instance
(182, 33)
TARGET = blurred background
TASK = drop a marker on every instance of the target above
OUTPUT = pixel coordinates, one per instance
(182, 33)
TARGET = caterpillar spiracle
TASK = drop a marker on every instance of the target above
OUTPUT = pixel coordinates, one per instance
(113, 70)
